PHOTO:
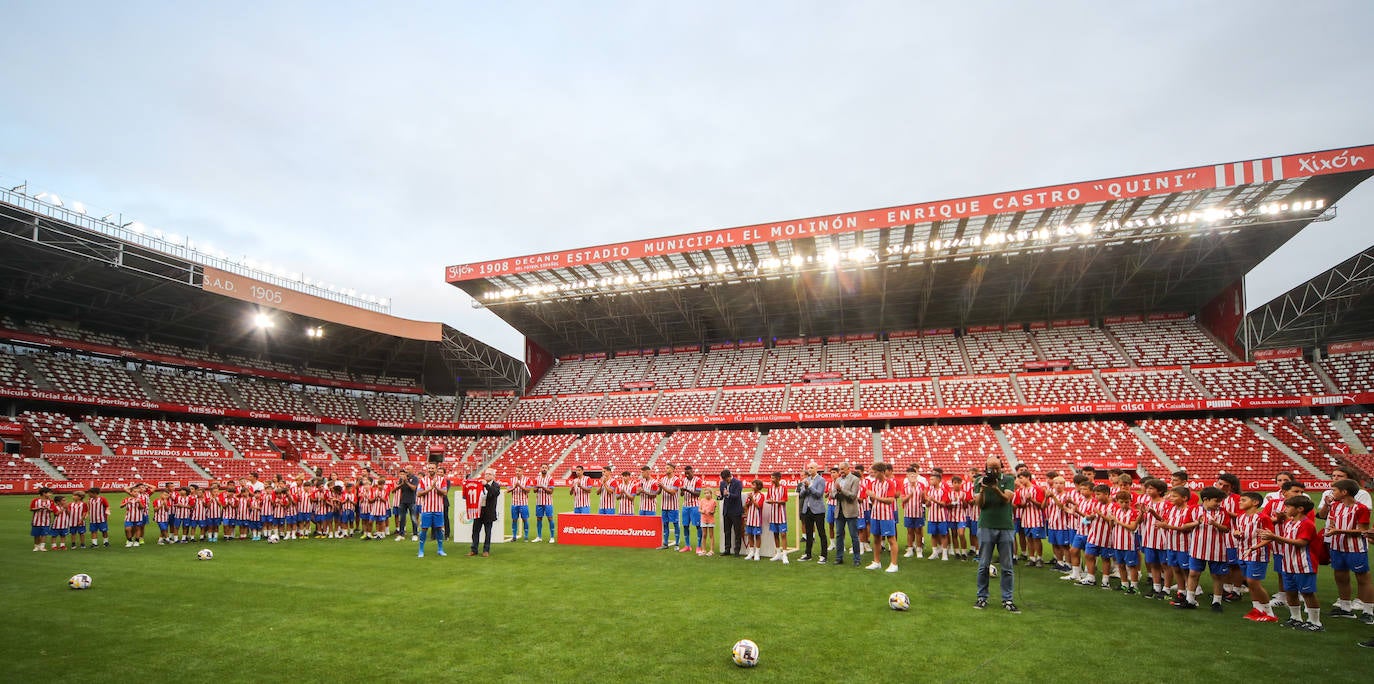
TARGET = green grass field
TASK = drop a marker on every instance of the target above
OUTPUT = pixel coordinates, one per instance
(348, 610)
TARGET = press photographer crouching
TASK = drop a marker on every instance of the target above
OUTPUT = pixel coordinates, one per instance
(992, 494)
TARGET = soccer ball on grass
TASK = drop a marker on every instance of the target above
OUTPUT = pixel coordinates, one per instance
(273, 538)
(745, 653)
(79, 581)
(898, 601)
(205, 554)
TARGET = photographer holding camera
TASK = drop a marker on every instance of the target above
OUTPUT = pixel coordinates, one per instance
(992, 494)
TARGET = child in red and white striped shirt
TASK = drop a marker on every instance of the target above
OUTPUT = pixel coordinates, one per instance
(1253, 554)
(882, 525)
(1207, 548)
(753, 520)
(777, 522)
(1125, 519)
(1346, 522)
(41, 523)
(99, 509)
(1293, 538)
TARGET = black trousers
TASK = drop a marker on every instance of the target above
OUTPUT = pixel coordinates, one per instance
(479, 528)
(734, 532)
(814, 524)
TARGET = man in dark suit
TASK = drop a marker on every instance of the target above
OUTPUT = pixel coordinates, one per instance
(491, 492)
(732, 512)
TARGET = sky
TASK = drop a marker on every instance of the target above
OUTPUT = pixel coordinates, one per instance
(372, 144)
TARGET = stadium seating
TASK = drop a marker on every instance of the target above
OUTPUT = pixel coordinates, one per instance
(1167, 343)
(1351, 372)
(1062, 446)
(1085, 346)
(580, 407)
(223, 469)
(335, 403)
(628, 405)
(1362, 424)
(455, 446)
(12, 375)
(824, 396)
(568, 376)
(12, 467)
(973, 391)
(1206, 446)
(627, 450)
(681, 403)
(675, 371)
(750, 401)
(360, 445)
(97, 379)
(788, 363)
(391, 407)
(929, 355)
(53, 428)
(1294, 377)
(731, 367)
(273, 397)
(1236, 381)
(710, 451)
(186, 387)
(1302, 440)
(618, 370)
(858, 359)
(896, 396)
(998, 351)
(530, 452)
(254, 438)
(445, 409)
(128, 468)
(787, 450)
(152, 434)
(1150, 385)
(484, 409)
(484, 447)
(1060, 388)
(388, 380)
(530, 409)
(958, 449)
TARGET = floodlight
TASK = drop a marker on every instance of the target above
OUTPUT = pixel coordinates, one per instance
(262, 320)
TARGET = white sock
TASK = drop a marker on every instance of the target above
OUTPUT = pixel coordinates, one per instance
(1296, 611)
(1216, 598)
(1314, 616)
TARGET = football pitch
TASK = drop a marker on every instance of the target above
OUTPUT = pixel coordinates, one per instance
(351, 610)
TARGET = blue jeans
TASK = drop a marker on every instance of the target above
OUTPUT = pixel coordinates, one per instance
(1002, 540)
(843, 524)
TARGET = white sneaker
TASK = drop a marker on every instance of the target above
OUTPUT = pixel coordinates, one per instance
(550, 540)
(875, 565)
(776, 556)
(536, 539)
(1069, 577)
(784, 560)
(414, 537)
(909, 553)
(821, 561)
(892, 567)
(1087, 581)
(919, 554)
(399, 538)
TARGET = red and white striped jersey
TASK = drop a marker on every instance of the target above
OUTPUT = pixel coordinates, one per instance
(181, 505)
(1152, 536)
(938, 497)
(472, 497)
(1248, 525)
(79, 510)
(59, 516)
(625, 492)
(967, 509)
(648, 493)
(243, 505)
(1207, 542)
(778, 497)
(1099, 529)
(671, 486)
(915, 496)
(99, 507)
(162, 509)
(1342, 516)
(882, 489)
(519, 491)
(608, 488)
(213, 506)
(281, 504)
(1055, 517)
(543, 490)
(865, 485)
(753, 509)
(1029, 502)
(1078, 499)
(581, 491)
(1297, 559)
(1122, 538)
(691, 491)
(431, 493)
(959, 500)
(1272, 509)
(348, 501)
(197, 507)
(830, 491)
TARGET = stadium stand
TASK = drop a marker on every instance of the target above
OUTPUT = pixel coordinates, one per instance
(1085, 346)
(273, 397)
(1062, 446)
(12, 375)
(925, 356)
(334, 403)
(455, 446)
(1167, 342)
(186, 387)
(1150, 385)
(254, 438)
(53, 428)
(895, 396)
(977, 391)
(530, 452)
(235, 468)
(360, 445)
(12, 467)
(568, 376)
(530, 409)
(750, 400)
(616, 449)
(1351, 372)
(391, 407)
(618, 370)
(683, 403)
(1236, 381)
(1294, 377)
(484, 447)
(713, 450)
(136, 433)
(444, 409)
(675, 371)
(830, 396)
(731, 367)
(128, 468)
(787, 450)
(789, 363)
(1060, 388)
(1362, 424)
(957, 449)
(1206, 446)
(483, 409)
(578, 407)
(857, 359)
(998, 351)
(628, 405)
(1302, 440)
(92, 378)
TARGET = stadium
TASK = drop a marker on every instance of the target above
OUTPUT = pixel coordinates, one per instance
(1095, 323)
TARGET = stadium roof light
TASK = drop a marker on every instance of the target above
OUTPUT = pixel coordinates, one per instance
(263, 321)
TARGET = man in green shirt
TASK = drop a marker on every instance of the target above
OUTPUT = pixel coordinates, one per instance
(992, 494)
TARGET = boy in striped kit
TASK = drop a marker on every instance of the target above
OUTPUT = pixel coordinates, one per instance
(1073, 499)
(865, 506)
(199, 514)
(580, 488)
(1293, 538)
(830, 505)
(430, 495)
(670, 484)
(162, 515)
(648, 492)
(1154, 541)
(1060, 531)
(519, 490)
(543, 503)
(883, 494)
(753, 520)
(1125, 519)
(913, 511)
(625, 490)
(135, 505)
(1347, 520)
(99, 508)
(938, 516)
(77, 519)
(41, 520)
(691, 508)
(961, 498)
(606, 488)
(1029, 502)
(60, 523)
(777, 524)
(1207, 548)
(1253, 554)
(1095, 511)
